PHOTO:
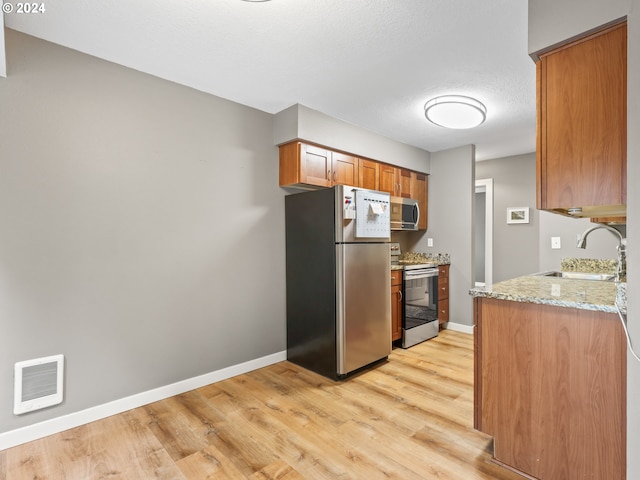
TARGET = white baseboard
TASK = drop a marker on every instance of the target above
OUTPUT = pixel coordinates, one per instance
(29, 433)
(459, 327)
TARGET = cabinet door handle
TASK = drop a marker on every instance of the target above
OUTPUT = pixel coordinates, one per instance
(444, 288)
(400, 299)
(334, 176)
(328, 174)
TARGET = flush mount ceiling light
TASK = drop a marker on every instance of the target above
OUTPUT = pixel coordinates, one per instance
(455, 111)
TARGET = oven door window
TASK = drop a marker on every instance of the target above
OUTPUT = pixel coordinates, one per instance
(421, 304)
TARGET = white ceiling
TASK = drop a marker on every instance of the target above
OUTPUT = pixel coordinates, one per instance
(373, 63)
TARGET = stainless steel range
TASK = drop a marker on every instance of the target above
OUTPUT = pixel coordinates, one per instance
(420, 299)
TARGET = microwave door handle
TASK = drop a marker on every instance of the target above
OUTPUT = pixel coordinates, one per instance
(416, 214)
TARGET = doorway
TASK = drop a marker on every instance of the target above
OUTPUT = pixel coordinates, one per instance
(483, 241)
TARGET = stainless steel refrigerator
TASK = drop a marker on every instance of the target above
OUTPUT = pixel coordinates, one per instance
(338, 279)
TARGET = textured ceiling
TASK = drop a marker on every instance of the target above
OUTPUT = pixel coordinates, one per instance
(372, 63)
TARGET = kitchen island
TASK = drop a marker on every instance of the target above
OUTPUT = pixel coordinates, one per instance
(550, 377)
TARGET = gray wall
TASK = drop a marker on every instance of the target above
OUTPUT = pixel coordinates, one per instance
(514, 185)
(550, 21)
(300, 122)
(142, 228)
(451, 206)
(600, 243)
(554, 21)
(3, 63)
(633, 233)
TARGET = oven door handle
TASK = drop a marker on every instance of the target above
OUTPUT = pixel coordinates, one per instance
(415, 276)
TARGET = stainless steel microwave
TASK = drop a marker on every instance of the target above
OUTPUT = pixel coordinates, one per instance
(405, 213)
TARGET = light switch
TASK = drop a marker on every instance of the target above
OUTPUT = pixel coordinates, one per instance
(555, 243)
(429, 242)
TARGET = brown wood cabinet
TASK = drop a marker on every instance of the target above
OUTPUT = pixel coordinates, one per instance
(582, 118)
(443, 294)
(405, 183)
(550, 388)
(420, 191)
(369, 174)
(303, 164)
(396, 305)
(344, 169)
(389, 179)
(395, 181)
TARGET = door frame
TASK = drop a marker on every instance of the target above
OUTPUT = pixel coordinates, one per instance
(486, 186)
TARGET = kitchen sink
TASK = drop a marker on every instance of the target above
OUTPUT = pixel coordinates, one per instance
(607, 277)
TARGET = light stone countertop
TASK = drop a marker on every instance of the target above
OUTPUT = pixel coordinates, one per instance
(412, 258)
(561, 292)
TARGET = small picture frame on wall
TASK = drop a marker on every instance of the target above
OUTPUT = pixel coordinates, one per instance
(518, 215)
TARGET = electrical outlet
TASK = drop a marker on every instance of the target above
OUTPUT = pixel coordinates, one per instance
(555, 243)
(429, 242)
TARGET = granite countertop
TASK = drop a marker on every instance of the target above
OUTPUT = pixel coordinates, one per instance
(562, 292)
(414, 258)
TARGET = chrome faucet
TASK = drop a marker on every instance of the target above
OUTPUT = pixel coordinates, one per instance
(621, 274)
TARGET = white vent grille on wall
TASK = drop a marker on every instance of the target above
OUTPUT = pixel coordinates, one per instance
(38, 383)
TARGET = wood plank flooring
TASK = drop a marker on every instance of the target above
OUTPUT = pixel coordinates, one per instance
(408, 418)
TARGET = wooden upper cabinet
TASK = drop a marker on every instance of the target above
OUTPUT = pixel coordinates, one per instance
(405, 183)
(582, 134)
(309, 166)
(344, 169)
(369, 174)
(303, 164)
(389, 179)
(420, 191)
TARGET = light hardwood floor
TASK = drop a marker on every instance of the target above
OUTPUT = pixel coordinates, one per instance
(408, 418)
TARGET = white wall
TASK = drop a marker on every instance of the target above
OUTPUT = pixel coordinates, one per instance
(551, 21)
(142, 228)
(451, 207)
(300, 122)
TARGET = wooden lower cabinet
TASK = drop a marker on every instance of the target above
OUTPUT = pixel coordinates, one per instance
(396, 305)
(443, 294)
(550, 387)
